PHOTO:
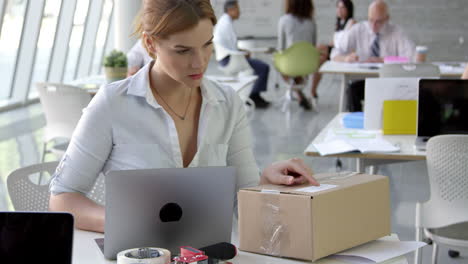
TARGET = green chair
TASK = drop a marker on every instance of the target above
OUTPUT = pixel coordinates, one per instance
(299, 60)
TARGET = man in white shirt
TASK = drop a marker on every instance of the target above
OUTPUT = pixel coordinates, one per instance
(225, 39)
(371, 41)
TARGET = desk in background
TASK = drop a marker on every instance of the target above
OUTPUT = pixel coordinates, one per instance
(354, 71)
(405, 142)
(85, 250)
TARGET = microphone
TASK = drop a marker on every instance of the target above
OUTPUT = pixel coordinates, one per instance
(220, 251)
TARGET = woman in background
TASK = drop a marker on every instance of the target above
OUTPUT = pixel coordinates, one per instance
(344, 21)
(298, 24)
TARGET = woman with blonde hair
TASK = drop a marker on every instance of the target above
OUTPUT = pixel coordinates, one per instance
(166, 115)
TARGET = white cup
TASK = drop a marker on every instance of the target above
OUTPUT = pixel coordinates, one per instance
(421, 53)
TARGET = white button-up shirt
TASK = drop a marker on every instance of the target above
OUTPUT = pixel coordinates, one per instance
(124, 128)
(224, 37)
(392, 42)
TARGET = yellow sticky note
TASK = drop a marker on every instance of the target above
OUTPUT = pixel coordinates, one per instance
(399, 117)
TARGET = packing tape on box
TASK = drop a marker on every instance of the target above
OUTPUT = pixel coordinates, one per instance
(144, 255)
(275, 233)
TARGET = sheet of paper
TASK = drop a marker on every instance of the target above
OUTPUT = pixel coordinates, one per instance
(312, 189)
(379, 251)
(373, 145)
(334, 147)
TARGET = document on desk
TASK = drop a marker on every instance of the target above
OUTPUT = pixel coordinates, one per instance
(348, 140)
(378, 251)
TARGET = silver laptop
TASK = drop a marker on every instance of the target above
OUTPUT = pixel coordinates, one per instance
(442, 109)
(168, 208)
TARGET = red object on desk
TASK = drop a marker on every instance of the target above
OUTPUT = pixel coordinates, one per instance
(190, 255)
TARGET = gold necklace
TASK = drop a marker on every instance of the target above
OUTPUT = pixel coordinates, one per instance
(181, 117)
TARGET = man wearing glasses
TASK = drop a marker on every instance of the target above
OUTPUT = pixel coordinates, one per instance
(371, 41)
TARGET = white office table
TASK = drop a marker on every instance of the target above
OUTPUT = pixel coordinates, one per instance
(353, 71)
(85, 251)
(405, 142)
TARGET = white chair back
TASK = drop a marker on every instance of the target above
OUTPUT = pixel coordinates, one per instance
(422, 70)
(447, 165)
(27, 194)
(447, 208)
(62, 105)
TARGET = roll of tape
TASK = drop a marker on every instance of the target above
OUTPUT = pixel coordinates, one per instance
(144, 255)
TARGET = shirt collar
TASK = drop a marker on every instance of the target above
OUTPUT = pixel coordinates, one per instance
(383, 30)
(140, 86)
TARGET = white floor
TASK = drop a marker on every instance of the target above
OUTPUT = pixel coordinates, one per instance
(275, 138)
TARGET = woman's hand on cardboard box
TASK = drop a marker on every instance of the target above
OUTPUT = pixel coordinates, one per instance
(288, 172)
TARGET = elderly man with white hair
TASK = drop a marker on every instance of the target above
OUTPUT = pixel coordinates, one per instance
(371, 41)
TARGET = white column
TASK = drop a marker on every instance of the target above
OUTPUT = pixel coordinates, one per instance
(124, 16)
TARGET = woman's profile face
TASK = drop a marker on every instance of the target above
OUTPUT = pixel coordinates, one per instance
(341, 10)
(184, 55)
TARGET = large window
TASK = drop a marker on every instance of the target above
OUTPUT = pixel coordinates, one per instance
(79, 22)
(50, 41)
(45, 43)
(102, 36)
(10, 36)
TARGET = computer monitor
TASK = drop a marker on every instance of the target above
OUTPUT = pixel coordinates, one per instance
(36, 237)
(442, 108)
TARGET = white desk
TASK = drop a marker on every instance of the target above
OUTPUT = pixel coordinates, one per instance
(86, 251)
(353, 71)
(406, 142)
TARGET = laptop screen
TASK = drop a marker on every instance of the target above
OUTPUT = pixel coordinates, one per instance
(36, 237)
(442, 107)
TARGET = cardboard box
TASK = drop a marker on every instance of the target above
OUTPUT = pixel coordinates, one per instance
(284, 221)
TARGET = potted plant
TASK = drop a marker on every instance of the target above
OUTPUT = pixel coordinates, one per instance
(115, 66)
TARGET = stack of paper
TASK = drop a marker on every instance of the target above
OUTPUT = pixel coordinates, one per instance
(363, 146)
(348, 140)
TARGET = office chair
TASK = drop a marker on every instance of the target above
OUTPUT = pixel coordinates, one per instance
(426, 70)
(62, 105)
(296, 62)
(443, 219)
(26, 194)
